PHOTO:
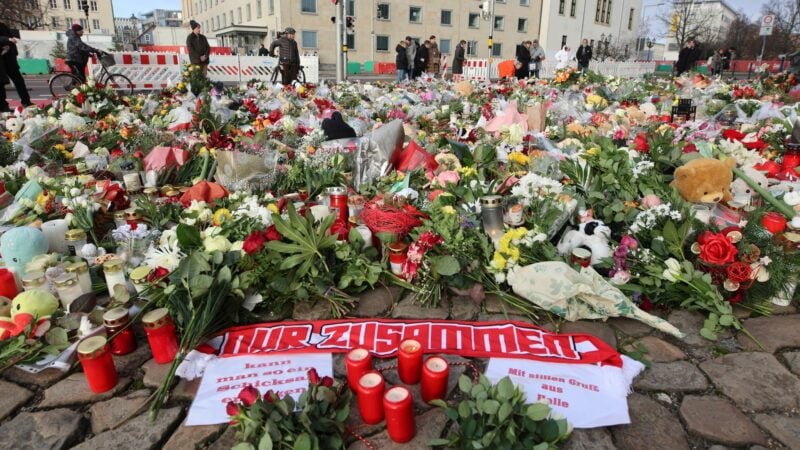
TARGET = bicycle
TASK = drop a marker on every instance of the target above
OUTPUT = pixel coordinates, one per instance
(62, 84)
(276, 72)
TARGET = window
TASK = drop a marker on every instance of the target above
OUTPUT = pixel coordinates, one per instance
(472, 48)
(383, 13)
(499, 23)
(630, 19)
(249, 13)
(310, 7)
(56, 22)
(524, 2)
(415, 14)
(351, 41)
(84, 23)
(350, 8)
(231, 18)
(239, 15)
(444, 46)
(572, 7)
(95, 24)
(382, 43)
(497, 49)
(522, 25)
(308, 39)
(447, 17)
(603, 12)
(93, 5)
(561, 7)
(563, 41)
(597, 12)
(224, 20)
(258, 9)
(53, 4)
(474, 20)
(67, 4)
(591, 44)
(271, 7)
(608, 13)
(146, 38)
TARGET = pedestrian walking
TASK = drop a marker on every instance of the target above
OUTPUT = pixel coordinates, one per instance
(401, 60)
(9, 67)
(537, 56)
(434, 56)
(411, 56)
(78, 52)
(523, 60)
(717, 62)
(584, 55)
(288, 55)
(459, 57)
(198, 48)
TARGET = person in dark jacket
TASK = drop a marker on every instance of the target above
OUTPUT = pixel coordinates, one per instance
(584, 55)
(78, 52)
(459, 57)
(401, 60)
(263, 51)
(198, 48)
(686, 58)
(421, 59)
(288, 55)
(10, 68)
(523, 62)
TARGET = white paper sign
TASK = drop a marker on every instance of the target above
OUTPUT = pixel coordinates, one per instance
(588, 396)
(225, 377)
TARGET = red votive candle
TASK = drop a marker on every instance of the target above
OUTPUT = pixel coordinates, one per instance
(358, 362)
(8, 284)
(409, 361)
(123, 340)
(399, 410)
(435, 372)
(98, 366)
(774, 222)
(161, 335)
(370, 393)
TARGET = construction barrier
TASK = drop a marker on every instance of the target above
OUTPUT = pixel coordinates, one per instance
(28, 66)
(159, 70)
(479, 69)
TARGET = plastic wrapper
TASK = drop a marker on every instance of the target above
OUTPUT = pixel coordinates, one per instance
(375, 150)
(180, 118)
(769, 111)
(245, 171)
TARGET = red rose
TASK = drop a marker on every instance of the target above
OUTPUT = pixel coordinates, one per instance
(157, 274)
(232, 409)
(646, 304)
(327, 381)
(737, 297)
(718, 249)
(271, 234)
(138, 154)
(704, 237)
(248, 395)
(254, 242)
(80, 98)
(313, 376)
(690, 148)
(739, 272)
(116, 153)
(733, 135)
(275, 115)
(640, 143)
(270, 396)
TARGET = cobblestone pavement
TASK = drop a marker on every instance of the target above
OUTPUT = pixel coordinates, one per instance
(695, 394)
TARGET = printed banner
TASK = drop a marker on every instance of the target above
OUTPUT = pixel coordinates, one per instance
(382, 337)
(588, 396)
(224, 378)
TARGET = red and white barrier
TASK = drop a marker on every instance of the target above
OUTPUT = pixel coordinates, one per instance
(479, 70)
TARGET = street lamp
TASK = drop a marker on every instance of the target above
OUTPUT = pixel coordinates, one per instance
(135, 35)
(85, 8)
(649, 49)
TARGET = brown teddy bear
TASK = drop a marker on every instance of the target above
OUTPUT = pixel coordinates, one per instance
(705, 180)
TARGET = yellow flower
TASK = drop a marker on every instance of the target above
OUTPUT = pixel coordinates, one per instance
(203, 150)
(518, 158)
(594, 151)
(447, 209)
(274, 208)
(401, 176)
(498, 262)
(59, 147)
(221, 215)
(467, 171)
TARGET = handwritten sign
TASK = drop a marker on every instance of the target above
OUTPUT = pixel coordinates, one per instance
(284, 374)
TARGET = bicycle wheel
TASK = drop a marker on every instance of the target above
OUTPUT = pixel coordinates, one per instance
(301, 76)
(120, 83)
(61, 84)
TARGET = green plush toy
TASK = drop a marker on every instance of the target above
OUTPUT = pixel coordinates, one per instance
(27, 307)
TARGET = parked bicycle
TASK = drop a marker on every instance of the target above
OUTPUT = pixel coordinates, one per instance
(276, 73)
(61, 84)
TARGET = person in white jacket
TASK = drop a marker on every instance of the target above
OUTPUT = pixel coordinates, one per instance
(563, 57)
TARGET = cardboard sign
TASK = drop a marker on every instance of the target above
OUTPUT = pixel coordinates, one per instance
(224, 378)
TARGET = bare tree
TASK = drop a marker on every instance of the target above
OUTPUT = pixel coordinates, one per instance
(24, 14)
(690, 20)
(743, 36)
(784, 38)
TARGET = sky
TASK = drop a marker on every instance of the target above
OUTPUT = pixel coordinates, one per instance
(124, 8)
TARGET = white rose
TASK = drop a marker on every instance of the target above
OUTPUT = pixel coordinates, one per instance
(673, 271)
(217, 244)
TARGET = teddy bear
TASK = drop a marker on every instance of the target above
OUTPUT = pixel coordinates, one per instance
(592, 235)
(705, 180)
(742, 192)
(26, 307)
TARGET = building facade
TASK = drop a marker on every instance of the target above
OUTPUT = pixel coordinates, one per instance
(61, 14)
(710, 18)
(378, 25)
(163, 18)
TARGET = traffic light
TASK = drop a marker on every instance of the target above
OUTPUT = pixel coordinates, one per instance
(674, 24)
(350, 22)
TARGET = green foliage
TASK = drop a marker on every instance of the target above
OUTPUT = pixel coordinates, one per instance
(8, 154)
(498, 417)
(58, 51)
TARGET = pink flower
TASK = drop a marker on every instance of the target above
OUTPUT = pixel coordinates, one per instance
(650, 201)
(432, 196)
(448, 176)
(629, 242)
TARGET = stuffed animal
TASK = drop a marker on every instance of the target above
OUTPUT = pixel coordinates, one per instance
(742, 192)
(26, 307)
(592, 235)
(19, 245)
(705, 180)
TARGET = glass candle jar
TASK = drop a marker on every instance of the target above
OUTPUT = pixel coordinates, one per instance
(56, 231)
(8, 284)
(117, 324)
(112, 269)
(492, 216)
(139, 278)
(370, 390)
(98, 366)
(119, 218)
(397, 256)
(337, 197)
(33, 281)
(398, 408)
(68, 289)
(81, 270)
(150, 193)
(161, 335)
(133, 182)
(76, 239)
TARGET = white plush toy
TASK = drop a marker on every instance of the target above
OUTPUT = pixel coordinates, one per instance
(742, 192)
(14, 124)
(592, 235)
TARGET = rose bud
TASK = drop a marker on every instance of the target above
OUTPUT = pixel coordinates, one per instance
(232, 409)
(313, 376)
(327, 381)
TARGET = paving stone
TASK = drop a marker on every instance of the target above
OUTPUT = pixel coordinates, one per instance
(718, 420)
(54, 429)
(793, 359)
(657, 350)
(781, 310)
(598, 329)
(226, 441)
(192, 437)
(463, 308)
(493, 304)
(429, 426)
(130, 363)
(408, 308)
(741, 313)
(630, 327)
(690, 323)
(155, 373)
(185, 390)
(339, 366)
(377, 302)
(482, 317)
(772, 332)
(679, 376)
(139, 433)
(652, 427)
(111, 413)
(319, 310)
(11, 398)
(590, 439)
(75, 390)
(754, 381)
(43, 379)
(784, 429)
(719, 447)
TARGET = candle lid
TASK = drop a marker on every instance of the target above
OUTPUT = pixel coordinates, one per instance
(358, 354)
(139, 274)
(370, 380)
(131, 214)
(119, 215)
(150, 191)
(113, 265)
(33, 278)
(491, 200)
(337, 190)
(155, 317)
(166, 188)
(77, 267)
(90, 346)
(66, 279)
(436, 364)
(397, 247)
(172, 193)
(410, 345)
(116, 316)
(396, 394)
(581, 253)
(75, 235)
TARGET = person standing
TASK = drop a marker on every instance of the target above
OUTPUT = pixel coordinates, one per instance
(717, 62)
(562, 58)
(288, 55)
(523, 62)
(401, 60)
(9, 67)
(411, 55)
(459, 57)
(537, 56)
(421, 59)
(434, 56)
(685, 58)
(78, 51)
(198, 48)
(584, 55)
(263, 51)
